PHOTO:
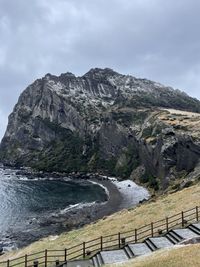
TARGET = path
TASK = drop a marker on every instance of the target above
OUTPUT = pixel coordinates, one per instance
(130, 251)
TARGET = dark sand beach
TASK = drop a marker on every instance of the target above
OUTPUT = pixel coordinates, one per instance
(75, 216)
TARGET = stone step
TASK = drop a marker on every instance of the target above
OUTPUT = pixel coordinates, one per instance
(185, 233)
(114, 256)
(99, 259)
(139, 249)
(95, 262)
(195, 227)
(171, 239)
(161, 242)
(175, 236)
(80, 263)
(128, 252)
(150, 244)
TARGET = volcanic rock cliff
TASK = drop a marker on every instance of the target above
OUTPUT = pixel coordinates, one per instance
(105, 122)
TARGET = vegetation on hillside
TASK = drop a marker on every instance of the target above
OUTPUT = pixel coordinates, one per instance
(174, 257)
(155, 209)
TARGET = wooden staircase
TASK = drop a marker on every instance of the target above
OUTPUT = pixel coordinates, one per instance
(130, 251)
(121, 246)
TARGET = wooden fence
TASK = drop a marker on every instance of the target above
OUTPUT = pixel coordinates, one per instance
(114, 241)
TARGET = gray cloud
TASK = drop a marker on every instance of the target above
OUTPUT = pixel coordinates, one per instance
(154, 39)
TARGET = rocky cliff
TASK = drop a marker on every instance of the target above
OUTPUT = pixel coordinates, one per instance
(105, 122)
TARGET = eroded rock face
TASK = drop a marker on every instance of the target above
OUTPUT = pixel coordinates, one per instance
(104, 121)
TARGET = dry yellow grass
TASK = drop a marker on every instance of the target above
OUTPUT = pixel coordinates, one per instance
(122, 221)
(183, 121)
(182, 112)
(187, 256)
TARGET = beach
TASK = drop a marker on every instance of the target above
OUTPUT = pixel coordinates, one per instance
(131, 193)
(121, 195)
(118, 195)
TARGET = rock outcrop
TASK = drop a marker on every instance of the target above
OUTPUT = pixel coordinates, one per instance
(104, 122)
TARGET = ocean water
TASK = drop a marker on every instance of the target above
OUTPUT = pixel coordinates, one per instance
(24, 200)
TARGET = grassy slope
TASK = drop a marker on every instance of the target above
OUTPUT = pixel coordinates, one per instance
(181, 256)
(124, 220)
(182, 121)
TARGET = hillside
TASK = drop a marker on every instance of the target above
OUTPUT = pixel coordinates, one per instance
(144, 214)
(181, 256)
(105, 122)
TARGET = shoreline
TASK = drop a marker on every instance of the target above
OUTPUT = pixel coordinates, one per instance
(122, 194)
(78, 215)
(132, 193)
(114, 201)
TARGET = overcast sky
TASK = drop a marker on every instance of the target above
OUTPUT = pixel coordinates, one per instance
(154, 39)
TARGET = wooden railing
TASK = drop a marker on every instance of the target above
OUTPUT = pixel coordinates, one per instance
(118, 240)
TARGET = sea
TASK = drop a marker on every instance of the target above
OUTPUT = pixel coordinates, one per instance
(27, 206)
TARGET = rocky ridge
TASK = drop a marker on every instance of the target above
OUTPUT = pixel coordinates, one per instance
(108, 123)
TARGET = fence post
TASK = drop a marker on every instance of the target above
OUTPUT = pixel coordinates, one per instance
(123, 242)
(119, 239)
(135, 235)
(167, 224)
(152, 229)
(45, 258)
(8, 263)
(101, 243)
(25, 260)
(182, 218)
(83, 249)
(197, 213)
(65, 257)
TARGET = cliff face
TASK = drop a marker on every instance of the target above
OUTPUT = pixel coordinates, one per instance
(104, 121)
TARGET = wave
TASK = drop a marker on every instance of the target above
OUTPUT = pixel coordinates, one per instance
(77, 206)
(25, 178)
(104, 187)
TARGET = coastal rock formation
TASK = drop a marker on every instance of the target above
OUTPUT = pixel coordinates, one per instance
(105, 122)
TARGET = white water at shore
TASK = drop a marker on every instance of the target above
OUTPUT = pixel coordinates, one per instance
(31, 208)
(104, 187)
(54, 201)
(131, 193)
